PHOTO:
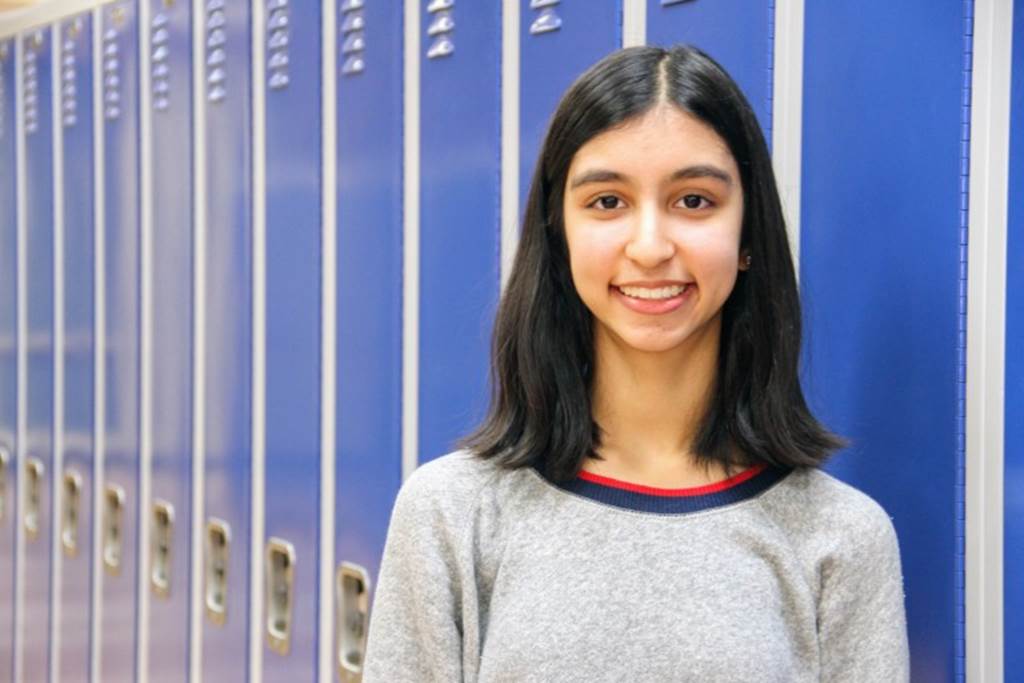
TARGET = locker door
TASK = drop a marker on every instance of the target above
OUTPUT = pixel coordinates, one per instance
(75, 480)
(557, 42)
(291, 55)
(8, 357)
(227, 323)
(36, 460)
(167, 511)
(368, 470)
(460, 196)
(883, 279)
(736, 33)
(118, 442)
(1013, 441)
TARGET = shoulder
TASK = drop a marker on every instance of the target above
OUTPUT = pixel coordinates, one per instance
(812, 497)
(446, 488)
(830, 519)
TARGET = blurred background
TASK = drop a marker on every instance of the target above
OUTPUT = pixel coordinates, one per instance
(250, 255)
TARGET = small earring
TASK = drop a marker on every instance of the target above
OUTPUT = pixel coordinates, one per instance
(747, 260)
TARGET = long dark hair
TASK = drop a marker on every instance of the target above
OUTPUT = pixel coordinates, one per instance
(542, 355)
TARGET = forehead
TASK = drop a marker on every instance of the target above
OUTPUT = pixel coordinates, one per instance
(664, 135)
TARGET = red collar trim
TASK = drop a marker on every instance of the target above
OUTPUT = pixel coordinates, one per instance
(673, 493)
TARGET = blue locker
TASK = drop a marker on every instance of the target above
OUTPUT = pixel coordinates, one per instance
(1013, 439)
(738, 34)
(168, 512)
(8, 357)
(368, 467)
(119, 504)
(883, 278)
(36, 463)
(557, 43)
(460, 199)
(228, 341)
(75, 482)
(292, 57)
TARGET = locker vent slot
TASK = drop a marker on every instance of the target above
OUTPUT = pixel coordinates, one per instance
(352, 599)
(277, 43)
(161, 539)
(30, 82)
(68, 84)
(216, 58)
(70, 506)
(161, 51)
(441, 29)
(4, 52)
(218, 539)
(280, 579)
(548, 19)
(352, 49)
(113, 528)
(112, 66)
(34, 472)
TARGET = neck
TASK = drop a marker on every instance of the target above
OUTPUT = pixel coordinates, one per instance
(649, 405)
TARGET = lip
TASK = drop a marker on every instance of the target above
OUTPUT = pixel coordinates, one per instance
(651, 307)
(652, 284)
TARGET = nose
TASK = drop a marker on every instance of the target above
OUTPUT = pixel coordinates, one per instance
(649, 244)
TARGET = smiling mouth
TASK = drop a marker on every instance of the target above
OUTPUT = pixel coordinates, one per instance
(654, 293)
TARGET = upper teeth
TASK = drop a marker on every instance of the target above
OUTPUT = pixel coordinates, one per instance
(647, 293)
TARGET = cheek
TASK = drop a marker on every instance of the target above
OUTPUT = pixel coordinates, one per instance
(592, 261)
(717, 260)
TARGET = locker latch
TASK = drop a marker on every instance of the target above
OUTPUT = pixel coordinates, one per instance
(352, 598)
(72, 496)
(218, 538)
(113, 528)
(161, 539)
(34, 472)
(280, 579)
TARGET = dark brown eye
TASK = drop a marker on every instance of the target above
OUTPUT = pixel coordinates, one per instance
(606, 202)
(692, 201)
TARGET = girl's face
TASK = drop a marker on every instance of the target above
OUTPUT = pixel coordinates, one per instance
(653, 214)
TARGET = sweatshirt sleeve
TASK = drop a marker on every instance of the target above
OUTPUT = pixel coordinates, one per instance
(862, 629)
(415, 630)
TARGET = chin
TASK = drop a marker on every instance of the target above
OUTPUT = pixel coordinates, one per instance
(652, 343)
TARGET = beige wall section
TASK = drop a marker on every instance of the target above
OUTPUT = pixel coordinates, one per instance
(6, 5)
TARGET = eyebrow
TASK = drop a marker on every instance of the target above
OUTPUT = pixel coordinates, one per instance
(601, 175)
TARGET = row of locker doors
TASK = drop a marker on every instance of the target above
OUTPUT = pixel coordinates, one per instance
(199, 491)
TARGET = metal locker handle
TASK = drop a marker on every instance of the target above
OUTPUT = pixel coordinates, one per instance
(69, 514)
(352, 599)
(280, 582)
(5, 461)
(113, 525)
(161, 539)
(218, 539)
(34, 471)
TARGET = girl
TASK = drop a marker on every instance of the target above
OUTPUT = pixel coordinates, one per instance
(643, 501)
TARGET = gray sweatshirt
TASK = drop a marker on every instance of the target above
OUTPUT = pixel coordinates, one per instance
(773, 575)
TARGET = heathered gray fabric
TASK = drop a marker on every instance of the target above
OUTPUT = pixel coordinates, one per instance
(491, 575)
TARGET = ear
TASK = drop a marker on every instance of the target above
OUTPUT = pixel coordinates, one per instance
(745, 259)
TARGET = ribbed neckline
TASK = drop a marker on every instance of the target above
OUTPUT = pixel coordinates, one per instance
(742, 486)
